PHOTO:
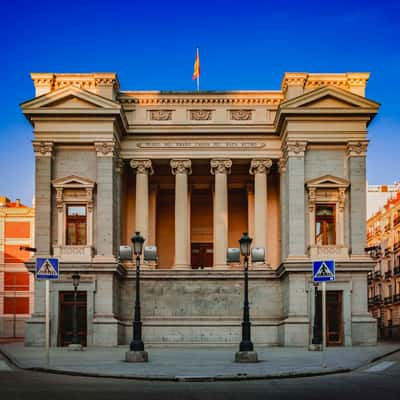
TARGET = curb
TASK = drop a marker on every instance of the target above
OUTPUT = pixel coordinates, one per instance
(194, 378)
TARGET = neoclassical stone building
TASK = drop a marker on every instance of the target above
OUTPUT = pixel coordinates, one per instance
(192, 172)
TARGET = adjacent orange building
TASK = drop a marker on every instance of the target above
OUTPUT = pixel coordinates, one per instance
(16, 283)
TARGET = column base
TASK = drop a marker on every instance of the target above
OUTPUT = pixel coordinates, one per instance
(75, 347)
(246, 357)
(182, 266)
(136, 356)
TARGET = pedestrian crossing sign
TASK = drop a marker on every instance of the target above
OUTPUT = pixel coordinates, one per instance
(47, 268)
(324, 271)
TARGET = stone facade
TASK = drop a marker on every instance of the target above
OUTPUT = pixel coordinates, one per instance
(192, 172)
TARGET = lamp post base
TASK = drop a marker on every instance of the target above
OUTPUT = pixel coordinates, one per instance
(75, 347)
(315, 347)
(136, 356)
(246, 356)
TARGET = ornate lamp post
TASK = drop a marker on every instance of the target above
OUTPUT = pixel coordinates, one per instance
(246, 351)
(137, 353)
(316, 339)
(76, 344)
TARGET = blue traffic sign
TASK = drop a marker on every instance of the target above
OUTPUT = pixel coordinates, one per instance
(47, 268)
(324, 271)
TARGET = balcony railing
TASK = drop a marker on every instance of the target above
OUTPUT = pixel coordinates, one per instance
(371, 301)
(396, 298)
(377, 299)
(388, 300)
(388, 274)
(377, 275)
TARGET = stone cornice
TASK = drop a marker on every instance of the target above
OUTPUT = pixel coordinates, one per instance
(355, 149)
(260, 166)
(272, 98)
(43, 149)
(142, 166)
(181, 166)
(221, 166)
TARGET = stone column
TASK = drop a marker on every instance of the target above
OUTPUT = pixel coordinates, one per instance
(260, 169)
(143, 170)
(356, 153)
(181, 168)
(294, 153)
(220, 168)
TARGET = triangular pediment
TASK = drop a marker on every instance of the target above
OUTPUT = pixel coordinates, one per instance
(328, 181)
(329, 97)
(73, 181)
(70, 97)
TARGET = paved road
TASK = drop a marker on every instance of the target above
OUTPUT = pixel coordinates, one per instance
(380, 380)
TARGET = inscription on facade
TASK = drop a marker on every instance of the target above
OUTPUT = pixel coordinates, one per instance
(197, 145)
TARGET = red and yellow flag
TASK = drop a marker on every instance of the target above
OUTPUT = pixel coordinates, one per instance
(196, 69)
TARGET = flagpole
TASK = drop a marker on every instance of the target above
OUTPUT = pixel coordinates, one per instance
(198, 83)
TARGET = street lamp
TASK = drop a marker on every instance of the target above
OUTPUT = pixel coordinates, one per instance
(76, 344)
(246, 351)
(137, 353)
(316, 339)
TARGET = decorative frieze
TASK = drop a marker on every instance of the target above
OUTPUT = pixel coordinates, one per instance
(43, 149)
(230, 145)
(355, 149)
(106, 149)
(181, 166)
(260, 166)
(221, 166)
(200, 115)
(142, 166)
(240, 115)
(160, 115)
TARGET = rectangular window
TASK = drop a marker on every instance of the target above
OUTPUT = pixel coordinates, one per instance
(16, 281)
(76, 225)
(325, 224)
(16, 305)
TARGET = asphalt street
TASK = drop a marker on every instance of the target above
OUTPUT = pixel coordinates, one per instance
(380, 380)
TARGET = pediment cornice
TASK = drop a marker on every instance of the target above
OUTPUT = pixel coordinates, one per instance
(73, 181)
(48, 100)
(327, 181)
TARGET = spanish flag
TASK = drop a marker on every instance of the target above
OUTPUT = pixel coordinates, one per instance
(196, 69)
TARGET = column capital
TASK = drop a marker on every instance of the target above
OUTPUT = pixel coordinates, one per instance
(282, 164)
(260, 166)
(221, 166)
(355, 149)
(181, 166)
(106, 149)
(294, 148)
(43, 149)
(142, 166)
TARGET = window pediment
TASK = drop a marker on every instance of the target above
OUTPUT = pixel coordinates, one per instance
(327, 182)
(73, 182)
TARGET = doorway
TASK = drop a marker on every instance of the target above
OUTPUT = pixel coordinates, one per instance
(334, 317)
(66, 302)
(202, 255)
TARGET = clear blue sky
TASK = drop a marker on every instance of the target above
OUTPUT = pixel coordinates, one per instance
(151, 45)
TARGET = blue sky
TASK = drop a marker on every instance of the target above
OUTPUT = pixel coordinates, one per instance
(151, 45)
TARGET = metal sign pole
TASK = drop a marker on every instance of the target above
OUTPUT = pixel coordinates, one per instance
(47, 323)
(324, 324)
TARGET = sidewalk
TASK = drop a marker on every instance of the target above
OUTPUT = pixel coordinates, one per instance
(194, 364)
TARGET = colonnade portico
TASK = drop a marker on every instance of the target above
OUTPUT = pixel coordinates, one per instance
(220, 168)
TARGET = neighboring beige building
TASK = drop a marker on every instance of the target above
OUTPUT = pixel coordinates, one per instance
(378, 195)
(192, 172)
(16, 283)
(383, 231)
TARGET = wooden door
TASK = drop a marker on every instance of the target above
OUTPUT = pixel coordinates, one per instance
(202, 255)
(66, 301)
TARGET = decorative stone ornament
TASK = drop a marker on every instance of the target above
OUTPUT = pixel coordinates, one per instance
(221, 166)
(43, 149)
(181, 166)
(241, 115)
(200, 115)
(161, 115)
(142, 166)
(355, 149)
(260, 166)
(295, 148)
(106, 149)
